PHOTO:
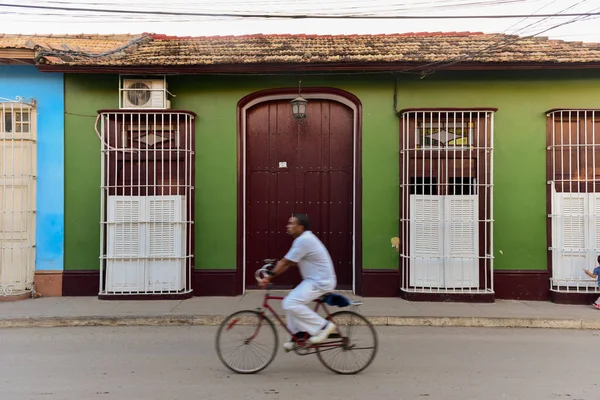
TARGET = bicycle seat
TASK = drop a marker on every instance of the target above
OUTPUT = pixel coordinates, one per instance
(336, 299)
(325, 296)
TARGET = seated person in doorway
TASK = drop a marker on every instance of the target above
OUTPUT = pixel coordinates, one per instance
(316, 268)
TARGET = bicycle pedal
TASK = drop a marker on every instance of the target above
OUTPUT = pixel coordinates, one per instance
(334, 336)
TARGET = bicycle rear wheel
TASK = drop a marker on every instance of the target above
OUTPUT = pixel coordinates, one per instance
(246, 342)
(358, 347)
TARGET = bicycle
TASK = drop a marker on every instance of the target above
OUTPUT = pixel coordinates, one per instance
(338, 343)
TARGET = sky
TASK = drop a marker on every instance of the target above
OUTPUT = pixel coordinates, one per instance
(16, 16)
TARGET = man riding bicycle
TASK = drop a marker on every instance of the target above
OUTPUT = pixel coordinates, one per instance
(316, 268)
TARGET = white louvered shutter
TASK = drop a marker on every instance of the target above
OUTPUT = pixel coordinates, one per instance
(570, 235)
(426, 244)
(165, 249)
(17, 202)
(594, 222)
(593, 236)
(461, 236)
(125, 243)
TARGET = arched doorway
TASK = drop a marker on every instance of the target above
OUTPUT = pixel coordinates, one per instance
(287, 167)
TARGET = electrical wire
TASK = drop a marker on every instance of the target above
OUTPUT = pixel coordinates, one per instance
(538, 23)
(431, 67)
(79, 17)
(526, 18)
(491, 48)
(311, 6)
(290, 16)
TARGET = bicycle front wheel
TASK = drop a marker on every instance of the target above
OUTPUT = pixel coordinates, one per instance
(246, 342)
(358, 344)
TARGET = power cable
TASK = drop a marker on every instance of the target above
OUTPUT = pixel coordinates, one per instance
(346, 5)
(294, 16)
(526, 18)
(494, 47)
(505, 42)
(446, 63)
(537, 23)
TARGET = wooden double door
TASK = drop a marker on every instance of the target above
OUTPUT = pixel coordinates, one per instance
(293, 167)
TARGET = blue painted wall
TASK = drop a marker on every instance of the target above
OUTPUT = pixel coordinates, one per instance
(48, 91)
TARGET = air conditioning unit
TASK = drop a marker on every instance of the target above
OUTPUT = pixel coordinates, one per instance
(144, 93)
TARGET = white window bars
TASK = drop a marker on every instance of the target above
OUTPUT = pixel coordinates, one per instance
(446, 201)
(146, 202)
(17, 196)
(573, 160)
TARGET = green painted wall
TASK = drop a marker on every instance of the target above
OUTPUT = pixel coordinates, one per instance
(520, 145)
(84, 94)
(519, 192)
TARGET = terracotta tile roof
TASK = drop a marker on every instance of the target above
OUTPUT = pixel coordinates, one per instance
(94, 44)
(162, 50)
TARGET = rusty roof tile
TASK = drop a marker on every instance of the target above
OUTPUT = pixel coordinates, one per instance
(419, 47)
(95, 44)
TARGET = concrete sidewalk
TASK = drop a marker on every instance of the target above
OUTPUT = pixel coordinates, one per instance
(89, 311)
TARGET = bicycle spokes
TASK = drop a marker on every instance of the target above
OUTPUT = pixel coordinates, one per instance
(357, 348)
(246, 342)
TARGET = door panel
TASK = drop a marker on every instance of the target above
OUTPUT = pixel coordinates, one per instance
(295, 168)
(340, 224)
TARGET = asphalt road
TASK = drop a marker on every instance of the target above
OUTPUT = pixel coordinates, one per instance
(170, 363)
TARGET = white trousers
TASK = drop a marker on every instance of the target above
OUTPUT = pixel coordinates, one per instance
(300, 317)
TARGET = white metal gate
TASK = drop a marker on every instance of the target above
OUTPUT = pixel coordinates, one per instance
(17, 195)
(573, 179)
(146, 202)
(446, 209)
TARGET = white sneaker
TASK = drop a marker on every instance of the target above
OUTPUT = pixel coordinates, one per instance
(289, 346)
(323, 334)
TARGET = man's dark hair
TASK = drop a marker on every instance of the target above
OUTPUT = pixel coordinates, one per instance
(303, 220)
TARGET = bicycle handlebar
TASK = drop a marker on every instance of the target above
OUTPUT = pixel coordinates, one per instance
(262, 272)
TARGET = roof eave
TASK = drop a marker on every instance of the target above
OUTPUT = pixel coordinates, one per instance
(320, 67)
(16, 56)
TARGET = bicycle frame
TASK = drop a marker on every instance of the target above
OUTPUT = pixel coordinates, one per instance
(343, 342)
(299, 342)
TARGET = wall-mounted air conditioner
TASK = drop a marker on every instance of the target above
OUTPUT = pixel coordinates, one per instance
(144, 93)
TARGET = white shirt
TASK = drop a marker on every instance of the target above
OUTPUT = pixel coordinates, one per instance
(313, 260)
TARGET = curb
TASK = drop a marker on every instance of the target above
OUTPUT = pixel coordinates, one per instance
(215, 320)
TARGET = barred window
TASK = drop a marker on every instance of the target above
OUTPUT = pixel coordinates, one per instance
(445, 200)
(573, 176)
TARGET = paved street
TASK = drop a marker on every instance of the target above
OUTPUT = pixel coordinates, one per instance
(170, 363)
